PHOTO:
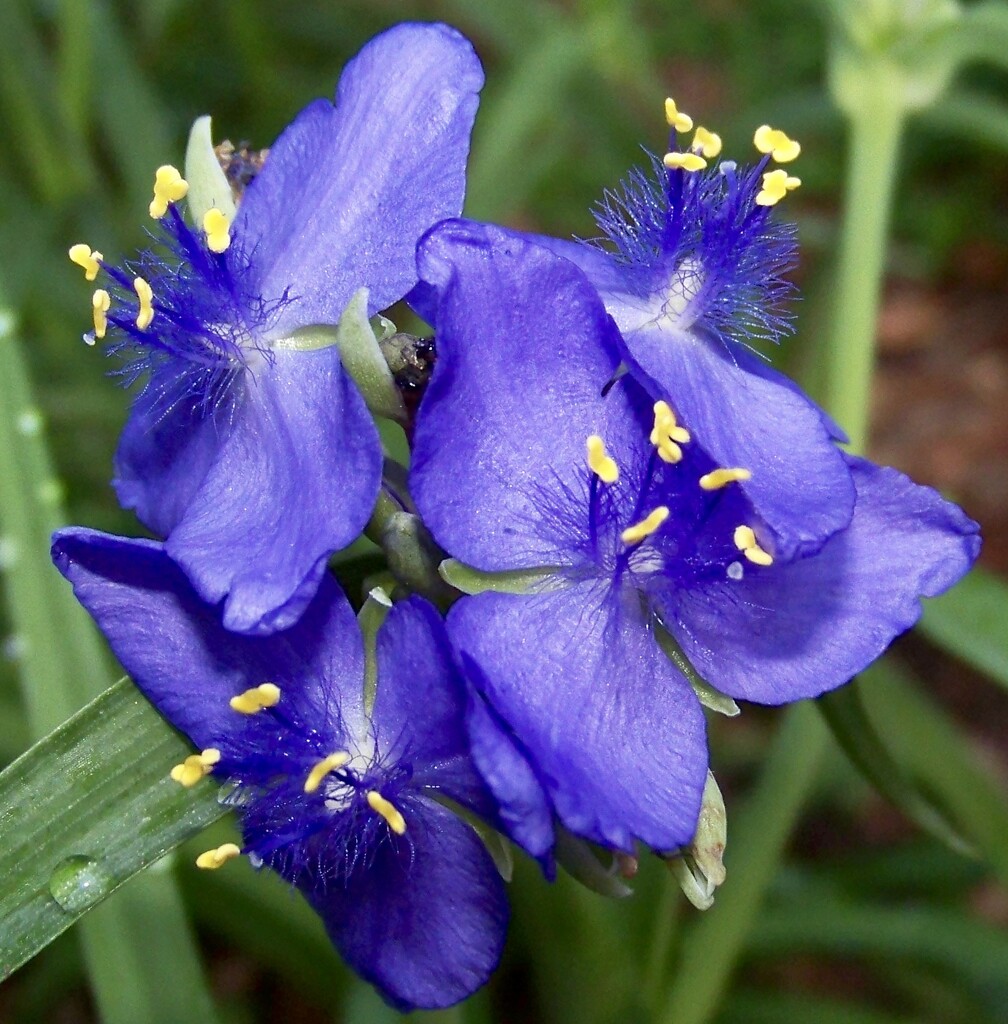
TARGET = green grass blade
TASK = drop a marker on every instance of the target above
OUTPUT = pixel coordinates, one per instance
(97, 789)
(757, 835)
(62, 666)
(969, 620)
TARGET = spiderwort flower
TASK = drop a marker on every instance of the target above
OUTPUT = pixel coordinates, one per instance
(248, 449)
(337, 792)
(525, 460)
(692, 268)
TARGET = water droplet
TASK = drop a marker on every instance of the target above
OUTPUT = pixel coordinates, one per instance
(29, 422)
(78, 883)
(735, 571)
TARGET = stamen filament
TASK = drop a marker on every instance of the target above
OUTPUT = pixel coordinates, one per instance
(266, 695)
(387, 810)
(636, 533)
(323, 768)
(211, 860)
(195, 767)
(87, 259)
(718, 478)
(599, 462)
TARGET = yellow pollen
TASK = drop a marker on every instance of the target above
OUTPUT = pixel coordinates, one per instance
(745, 541)
(776, 185)
(667, 435)
(195, 767)
(684, 161)
(599, 462)
(145, 295)
(636, 533)
(675, 118)
(211, 860)
(773, 141)
(169, 187)
(215, 226)
(101, 301)
(323, 768)
(88, 259)
(718, 478)
(709, 143)
(387, 810)
(258, 697)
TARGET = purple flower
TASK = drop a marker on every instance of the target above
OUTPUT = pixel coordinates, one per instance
(248, 448)
(693, 269)
(341, 793)
(527, 457)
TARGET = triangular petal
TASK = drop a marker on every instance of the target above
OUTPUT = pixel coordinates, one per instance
(790, 631)
(295, 479)
(425, 920)
(347, 190)
(612, 728)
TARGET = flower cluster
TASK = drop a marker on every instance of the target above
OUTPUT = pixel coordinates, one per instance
(619, 509)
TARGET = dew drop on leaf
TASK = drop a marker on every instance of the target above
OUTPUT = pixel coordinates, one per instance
(78, 883)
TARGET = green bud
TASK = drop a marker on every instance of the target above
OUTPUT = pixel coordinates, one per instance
(474, 581)
(699, 868)
(208, 185)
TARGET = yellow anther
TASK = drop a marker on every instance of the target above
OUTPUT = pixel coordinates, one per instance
(101, 302)
(323, 768)
(258, 697)
(684, 162)
(676, 119)
(211, 860)
(195, 767)
(708, 143)
(776, 185)
(667, 435)
(387, 810)
(169, 187)
(745, 541)
(636, 533)
(88, 259)
(718, 478)
(215, 226)
(145, 296)
(773, 141)
(599, 462)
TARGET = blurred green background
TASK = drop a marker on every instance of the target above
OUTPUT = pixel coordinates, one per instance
(836, 908)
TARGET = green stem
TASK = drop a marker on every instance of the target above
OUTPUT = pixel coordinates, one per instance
(875, 133)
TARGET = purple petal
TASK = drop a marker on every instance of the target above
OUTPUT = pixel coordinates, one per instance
(421, 695)
(613, 731)
(164, 453)
(524, 350)
(347, 190)
(524, 809)
(295, 479)
(795, 630)
(425, 921)
(176, 650)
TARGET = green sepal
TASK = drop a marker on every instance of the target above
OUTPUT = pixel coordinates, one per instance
(496, 845)
(360, 353)
(474, 581)
(85, 809)
(579, 859)
(208, 185)
(370, 619)
(706, 694)
(698, 868)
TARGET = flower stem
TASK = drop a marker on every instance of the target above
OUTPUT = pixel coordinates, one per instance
(875, 132)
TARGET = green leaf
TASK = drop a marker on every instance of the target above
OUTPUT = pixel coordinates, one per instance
(84, 810)
(969, 621)
(861, 742)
